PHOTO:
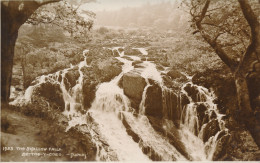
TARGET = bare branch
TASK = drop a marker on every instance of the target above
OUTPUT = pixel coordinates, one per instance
(254, 26)
(231, 63)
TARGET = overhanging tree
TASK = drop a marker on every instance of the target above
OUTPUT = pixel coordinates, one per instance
(232, 29)
(64, 15)
(16, 13)
(13, 15)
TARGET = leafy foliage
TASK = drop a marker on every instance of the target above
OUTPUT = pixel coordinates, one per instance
(45, 49)
(192, 55)
(223, 25)
(65, 15)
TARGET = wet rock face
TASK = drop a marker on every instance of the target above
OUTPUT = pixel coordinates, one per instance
(72, 141)
(221, 147)
(89, 60)
(224, 88)
(201, 108)
(107, 69)
(192, 92)
(153, 101)
(120, 50)
(127, 57)
(184, 100)
(52, 93)
(236, 146)
(136, 63)
(90, 83)
(170, 132)
(211, 129)
(133, 86)
(130, 51)
(102, 70)
(71, 77)
(172, 109)
(89, 91)
(115, 53)
(176, 75)
(99, 52)
(130, 131)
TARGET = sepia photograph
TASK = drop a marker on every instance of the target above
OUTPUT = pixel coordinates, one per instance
(130, 80)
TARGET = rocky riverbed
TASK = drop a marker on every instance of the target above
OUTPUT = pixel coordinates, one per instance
(146, 100)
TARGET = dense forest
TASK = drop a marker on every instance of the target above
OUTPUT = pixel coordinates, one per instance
(166, 81)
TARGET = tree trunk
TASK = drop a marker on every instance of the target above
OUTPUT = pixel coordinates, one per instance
(246, 114)
(7, 55)
(9, 33)
(13, 15)
(23, 63)
(239, 69)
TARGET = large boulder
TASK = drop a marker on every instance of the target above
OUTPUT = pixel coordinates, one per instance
(184, 100)
(107, 69)
(98, 52)
(211, 129)
(153, 51)
(175, 74)
(201, 109)
(120, 50)
(130, 51)
(52, 92)
(89, 86)
(89, 60)
(171, 104)
(192, 91)
(224, 87)
(153, 101)
(133, 86)
(115, 53)
(89, 92)
(235, 146)
(71, 77)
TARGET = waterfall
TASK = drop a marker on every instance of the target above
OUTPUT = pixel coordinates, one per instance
(121, 54)
(142, 103)
(193, 129)
(142, 50)
(121, 134)
(110, 111)
(72, 96)
(109, 103)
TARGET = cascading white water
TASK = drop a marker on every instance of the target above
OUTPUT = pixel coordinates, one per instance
(150, 138)
(190, 124)
(142, 50)
(110, 109)
(26, 97)
(72, 98)
(110, 101)
(107, 110)
(142, 103)
(121, 54)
